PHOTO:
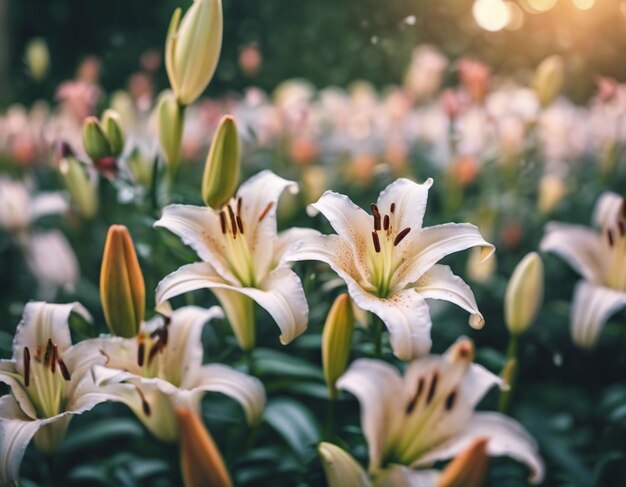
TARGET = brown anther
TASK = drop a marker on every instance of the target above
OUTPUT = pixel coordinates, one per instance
(239, 202)
(376, 242)
(413, 402)
(239, 224)
(53, 359)
(26, 366)
(401, 235)
(165, 334)
(620, 227)
(223, 221)
(144, 403)
(392, 208)
(46, 357)
(266, 211)
(141, 353)
(63, 368)
(233, 222)
(433, 388)
(609, 236)
(156, 348)
(386, 222)
(450, 400)
(377, 216)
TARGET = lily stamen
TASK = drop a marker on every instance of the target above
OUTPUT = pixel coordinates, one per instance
(386, 223)
(377, 216)
(433, 388)
(26, 366)
(450, 401)
(223, 222)
(266, 211)
(400, 236)
(141, 352)
(145, 406)
(376, 242)
(53, 361)
(63, 368)
(233, 221)
(46, 357)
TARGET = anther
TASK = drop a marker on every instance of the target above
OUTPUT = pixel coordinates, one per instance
(609, 236)
(141, 353)
(239, 224)
(450, 400)
(46, 357)
(620, 227)
(413, 402)
(233, 222)
(401, 235)
(164, 335)
(63, 368)
(266, 211)
(392, 208)
(239, 201)
(26, 366)
(144, 403)
(377, 217)
(156, 348)
(432, 389)
(53, 361)
(386, 222)
(376, 242)
(223, 221)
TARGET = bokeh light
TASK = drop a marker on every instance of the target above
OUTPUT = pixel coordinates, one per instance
(584, 4)
(491, 15)
(541, 5)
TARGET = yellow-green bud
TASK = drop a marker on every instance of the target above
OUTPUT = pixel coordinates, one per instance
(140, 167)
(552, 189)
(95, 140)
(340, 468)
(548, 79)
(192, 49)
(122, 288)
(112, 128)
(37, 58)
(221, 171)
(336, 341)
(524, 294)
(82, 188)
(170, 121)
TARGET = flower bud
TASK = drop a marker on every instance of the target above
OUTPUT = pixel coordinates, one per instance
(37, 58)
(524, 294)
(548, 79)
(122, 288)
(469, 468)
(340, 468)
(221, 171)
(95, 140)
(551, 192)
(479, 269)
(141, 167)
(81, 186)
(200, 460)
(192, 49)
(170, 123)
(336, 341)
(112, 128)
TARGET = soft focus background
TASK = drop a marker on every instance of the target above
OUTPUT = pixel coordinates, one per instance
(368, 105)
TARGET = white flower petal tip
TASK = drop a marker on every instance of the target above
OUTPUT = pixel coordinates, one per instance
(486, 251)
(477, 321)
(312, 211)
(341, 469)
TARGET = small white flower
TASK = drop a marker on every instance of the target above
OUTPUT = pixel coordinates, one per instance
(389, 262)
(162, 369)
(600, 258)
(49, 382)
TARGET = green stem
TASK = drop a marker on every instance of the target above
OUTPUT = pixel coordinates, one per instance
(509, 373)
(249, 360)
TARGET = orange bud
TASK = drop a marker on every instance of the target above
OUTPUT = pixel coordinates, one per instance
(469, 468)
(201, 462)
(122, 288)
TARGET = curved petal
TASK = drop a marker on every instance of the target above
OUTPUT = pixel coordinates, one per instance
(248, 391)
(199, 228)
(289, 238)
(377, 385)
(440, 283)
(259, 200)
(431, 244)
(10, 377)
(591, 307)
(506, 437)
(347, 219)
(409, 199)
(47, 204)
(42, 322)
(341, 469)
(401, 476)
(280, 294)
(580, 247)
(608, 209)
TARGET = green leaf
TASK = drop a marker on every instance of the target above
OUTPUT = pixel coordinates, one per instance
(101, 431)
(273, 362)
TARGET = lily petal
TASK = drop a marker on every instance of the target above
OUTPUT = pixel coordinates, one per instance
(289, 238)
(607, 209)
(591, 307)
(280, 293)
(410, 202)
(248, 391)
(579, 246)
(47, 204)
(506, 437)
(432, 244)
(377, 385)
(440, 283)
(341, 469)
(11, 377)
(401, 476)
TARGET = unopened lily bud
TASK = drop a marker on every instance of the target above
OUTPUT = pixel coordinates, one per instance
(95, 140)
(200, 460)
(221, 171)
(551, 191)
(548, 79)
(479, 269)
(122, 288)
(336, 341)
(141, 167)
(37, 58)
(524, 294)
(81, 186)
(340, 468)
(192, 49)
(170, 124)
(112, 128)
(469, 468)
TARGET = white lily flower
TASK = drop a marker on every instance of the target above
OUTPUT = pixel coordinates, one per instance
(599, 256)
(428, 415)
(49, 382)
(162, 369)
(242, 258)
(389, 262)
